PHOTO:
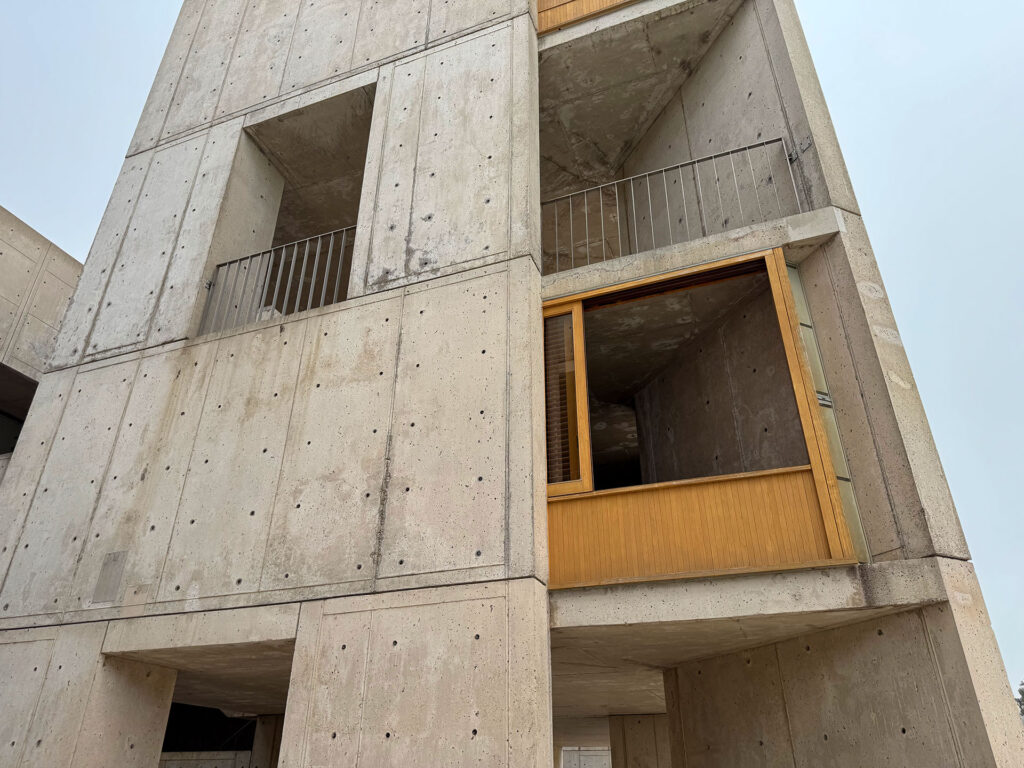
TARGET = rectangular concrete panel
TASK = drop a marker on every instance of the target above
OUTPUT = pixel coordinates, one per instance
(259, 55)
(202, 78)
(81, 314)
(51, 297)
(443, 186)
(33, 346)
(450, 17)
(18, 485)
(322, 44)
(147, 133)
(137, 279)
(23, 667)
(62, 509)
(136, 508)
(870, 691)
(324, 528)
(182, 291)
(18, 270)
(220, 532)
(446, 490)
(388, 27)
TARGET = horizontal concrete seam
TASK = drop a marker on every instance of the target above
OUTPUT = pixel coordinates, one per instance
(59, 624)
(429, 47)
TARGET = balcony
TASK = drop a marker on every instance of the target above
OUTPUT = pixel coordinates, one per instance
(684, 435)
(296, 277)
(685, 201)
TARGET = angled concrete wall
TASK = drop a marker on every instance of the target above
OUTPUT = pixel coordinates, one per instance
(37, 280)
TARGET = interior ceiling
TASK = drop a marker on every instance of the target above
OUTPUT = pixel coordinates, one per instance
(16, 393)
(617, 669)
(600, 93)
(629, 344)
(250, 678)
(321, 151)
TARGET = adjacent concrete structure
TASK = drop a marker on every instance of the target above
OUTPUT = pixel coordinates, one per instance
(316, 446)
(36, 282)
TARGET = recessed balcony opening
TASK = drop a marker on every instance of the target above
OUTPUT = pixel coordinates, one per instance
(658, 131)
(683, 432)
(16, 394)
(303, 176)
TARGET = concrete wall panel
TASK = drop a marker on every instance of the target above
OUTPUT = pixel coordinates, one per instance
(17, 269)
(61, 512)
(443, 188)
(82, 312)
(387, 27)
(183, 296)
(334, 466)
(322, 44)
(136, 508)
(202, 78)
(137, 279)
(259, 56)
(32, 346)
(148, 131)
(870, 691)
(419, 678)
(449, 17)
(233, 471)
(446, 490)
(19, 483)
(22, 672)
(640, 741)
(51, 297)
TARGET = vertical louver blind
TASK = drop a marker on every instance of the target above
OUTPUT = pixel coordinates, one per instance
(560, 395)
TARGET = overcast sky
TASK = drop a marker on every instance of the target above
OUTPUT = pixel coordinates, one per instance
(926, 98)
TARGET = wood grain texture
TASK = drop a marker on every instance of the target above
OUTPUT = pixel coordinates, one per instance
(753, 521)
(555, 14)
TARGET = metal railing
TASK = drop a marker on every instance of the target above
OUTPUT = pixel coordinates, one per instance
(697, 198)
(295, 277)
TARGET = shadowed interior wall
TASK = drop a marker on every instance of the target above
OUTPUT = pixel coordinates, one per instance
(725, 404)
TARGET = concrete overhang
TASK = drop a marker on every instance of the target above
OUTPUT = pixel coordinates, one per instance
(603, 82)
(609, 645)
(797, 235)
(235, 660)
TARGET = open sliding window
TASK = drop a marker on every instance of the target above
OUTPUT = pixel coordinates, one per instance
(683, 432)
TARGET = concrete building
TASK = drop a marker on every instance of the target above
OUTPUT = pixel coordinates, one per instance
(452, 382)
(36, 282)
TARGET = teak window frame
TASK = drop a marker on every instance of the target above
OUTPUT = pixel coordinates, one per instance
(585, 482)
(815, 437)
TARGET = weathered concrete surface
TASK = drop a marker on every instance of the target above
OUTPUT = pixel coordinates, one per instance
(37, 280)
(453, 676)
(66, 705)
(640, 741)
(875, 692)
(193, 476)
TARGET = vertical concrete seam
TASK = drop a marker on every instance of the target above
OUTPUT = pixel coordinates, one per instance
(117, 257)
(216, 344)
(181, 72)
(415, 166)
(24, 307)
(508, 310)
(81, 720)
(386, 115)
(35, 485)
(782, 102)
(826, 249)
(385, 482)
(362, 692)
(785, 705)
(287, 431)
(35, 706)
(100, 488)
(947, 705)
(288, 53)
(174, 245)
(227, 69)
(314, 667)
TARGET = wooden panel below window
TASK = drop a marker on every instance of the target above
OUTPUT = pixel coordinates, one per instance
(553, 14)
(757, 521)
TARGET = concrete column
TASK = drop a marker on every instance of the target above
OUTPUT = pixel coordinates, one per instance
(640, 741)
(67, 705)
(266, 744)
(453, 676)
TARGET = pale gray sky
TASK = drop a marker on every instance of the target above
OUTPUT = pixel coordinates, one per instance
(926, 97)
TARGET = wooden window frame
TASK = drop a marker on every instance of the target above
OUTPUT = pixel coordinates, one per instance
(815, 438)
(585, 482)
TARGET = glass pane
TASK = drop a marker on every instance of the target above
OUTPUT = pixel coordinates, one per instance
(560, 400)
